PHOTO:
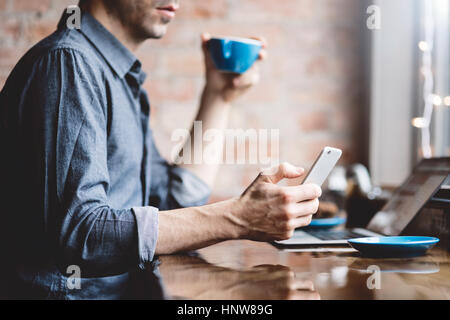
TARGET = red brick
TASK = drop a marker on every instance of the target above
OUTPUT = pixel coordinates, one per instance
(30, 5)
(184, 63)
(40, 29)
(9, 57)
(325, 96)
(314, 121)
(59, 6)
(2, 81)
(202, 9)
(262, 93)
(3, 4)
(270, 9)
(307, 150)
(333, 10)
(345, 120)
(150, 58)
(10, 27)
(180, 33)
(325, 66)
(171, 89)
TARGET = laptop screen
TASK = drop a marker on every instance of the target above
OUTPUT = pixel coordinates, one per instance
(411, 197)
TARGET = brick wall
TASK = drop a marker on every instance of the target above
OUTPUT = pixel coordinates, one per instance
(311, 84)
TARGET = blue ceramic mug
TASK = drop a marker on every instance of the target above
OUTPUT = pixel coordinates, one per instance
(235, 55)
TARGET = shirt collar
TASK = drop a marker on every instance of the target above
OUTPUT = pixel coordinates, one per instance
(119, 58)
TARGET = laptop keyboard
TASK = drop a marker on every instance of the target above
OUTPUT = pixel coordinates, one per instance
(334, 235)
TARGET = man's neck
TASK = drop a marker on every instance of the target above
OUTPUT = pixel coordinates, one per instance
(112, 24)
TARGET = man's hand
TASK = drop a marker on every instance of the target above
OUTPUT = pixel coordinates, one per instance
(264, 212)
(267, 212)
(225, 85)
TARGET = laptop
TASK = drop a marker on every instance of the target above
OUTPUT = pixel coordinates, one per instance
(406, 202)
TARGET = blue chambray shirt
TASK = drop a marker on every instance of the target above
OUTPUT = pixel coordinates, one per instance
(81, 178)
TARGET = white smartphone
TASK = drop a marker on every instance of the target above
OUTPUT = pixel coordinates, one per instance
(323, 166)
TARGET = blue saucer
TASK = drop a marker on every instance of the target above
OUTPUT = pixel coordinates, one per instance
(393, 246)
(326, 223)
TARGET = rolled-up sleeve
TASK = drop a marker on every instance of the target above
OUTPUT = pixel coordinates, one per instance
(147, 229)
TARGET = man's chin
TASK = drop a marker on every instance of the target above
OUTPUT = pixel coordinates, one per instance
(156, 32)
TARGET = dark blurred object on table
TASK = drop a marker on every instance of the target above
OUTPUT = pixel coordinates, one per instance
(360, 208)
(349, 191)
(362, 199)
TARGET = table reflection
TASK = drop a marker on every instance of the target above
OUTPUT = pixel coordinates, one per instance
(249, 270)
(425, 265)
(51, 283)
(193, 277)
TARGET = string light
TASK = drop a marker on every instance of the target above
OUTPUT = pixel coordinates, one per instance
(436, 100)
(429, 99)
(447, 101)
(423, 45)
(419, 122)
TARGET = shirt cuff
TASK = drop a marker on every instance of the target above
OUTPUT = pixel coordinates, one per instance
(187, 189)
(147, 230)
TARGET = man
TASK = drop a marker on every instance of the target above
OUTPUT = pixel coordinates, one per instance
(82, 181)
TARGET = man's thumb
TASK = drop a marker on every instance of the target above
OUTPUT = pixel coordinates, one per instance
(282, 171)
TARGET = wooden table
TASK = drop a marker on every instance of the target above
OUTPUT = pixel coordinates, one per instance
(252, 270)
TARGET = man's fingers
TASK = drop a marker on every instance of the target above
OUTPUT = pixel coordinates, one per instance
(262, 55)
(301, 193)
(247, 79)
(282, 171)
(301, 221)
(302, 209)
(205, 38)
(251, 77)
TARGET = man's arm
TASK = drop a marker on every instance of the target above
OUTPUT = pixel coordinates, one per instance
(265, 212)
(195, 227)
(220, 91)
(92, 233)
